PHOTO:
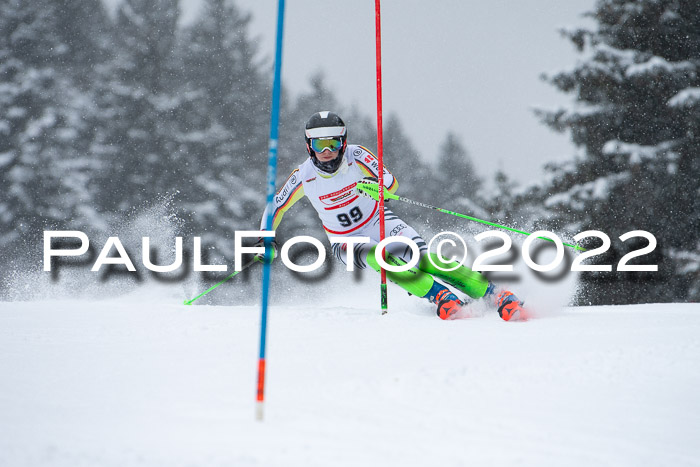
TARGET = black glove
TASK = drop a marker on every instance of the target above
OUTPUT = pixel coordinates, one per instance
(273, 250)
(370, 182)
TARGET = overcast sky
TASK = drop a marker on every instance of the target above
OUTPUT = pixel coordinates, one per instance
(461, 65)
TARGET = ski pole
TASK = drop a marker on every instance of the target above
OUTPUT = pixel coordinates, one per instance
(230, 276)
(372, 189)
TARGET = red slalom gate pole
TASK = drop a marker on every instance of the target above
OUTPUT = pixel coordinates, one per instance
(380, 147)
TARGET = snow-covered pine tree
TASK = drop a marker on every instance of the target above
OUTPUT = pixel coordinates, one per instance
(45, 167)
(417, 179)
(401, 157)
(226, 128)
(461, 192)
(138, 141)
(637, 119)
(499, 200)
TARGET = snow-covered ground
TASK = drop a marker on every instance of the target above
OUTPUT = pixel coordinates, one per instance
(150, 382)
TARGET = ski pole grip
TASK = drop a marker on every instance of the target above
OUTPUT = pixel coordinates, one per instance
(371, 189)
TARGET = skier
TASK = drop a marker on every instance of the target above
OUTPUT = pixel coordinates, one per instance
(329, 178)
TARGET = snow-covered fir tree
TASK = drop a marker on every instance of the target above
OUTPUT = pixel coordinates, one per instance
(499, 199)
(461, 192)
(45, 117)
(636, 118)
(226, 127)
(138, 141)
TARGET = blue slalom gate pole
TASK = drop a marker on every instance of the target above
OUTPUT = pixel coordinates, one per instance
(271, 177)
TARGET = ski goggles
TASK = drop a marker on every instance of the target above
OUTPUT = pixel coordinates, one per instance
(326, 144)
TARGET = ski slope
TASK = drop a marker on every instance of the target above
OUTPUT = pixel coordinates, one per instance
(153, 383)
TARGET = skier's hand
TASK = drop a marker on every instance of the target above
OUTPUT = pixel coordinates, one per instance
(273, 250)
(370, 182)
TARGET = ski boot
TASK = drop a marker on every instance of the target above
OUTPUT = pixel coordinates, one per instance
(448, 305)
(510, 307)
